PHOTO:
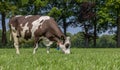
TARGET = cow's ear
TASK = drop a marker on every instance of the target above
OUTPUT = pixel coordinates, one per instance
(63, 39)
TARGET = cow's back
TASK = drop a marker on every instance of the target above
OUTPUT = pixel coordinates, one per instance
(29, 26)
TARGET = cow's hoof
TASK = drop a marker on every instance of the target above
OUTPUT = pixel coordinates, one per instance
(17, 53)
(48, 52)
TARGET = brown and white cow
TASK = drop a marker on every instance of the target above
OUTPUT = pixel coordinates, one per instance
(38, 27)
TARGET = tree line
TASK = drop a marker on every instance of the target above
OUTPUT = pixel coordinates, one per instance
(93, 16)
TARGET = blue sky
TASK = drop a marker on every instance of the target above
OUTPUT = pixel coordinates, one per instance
(73, 30)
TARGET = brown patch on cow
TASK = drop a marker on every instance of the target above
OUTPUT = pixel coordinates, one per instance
(28, 34)
(41, 31)
(55, 29)
(19, 29)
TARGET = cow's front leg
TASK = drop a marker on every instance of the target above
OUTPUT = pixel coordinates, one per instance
(17, 48)
(35, 45)
(47, 43)
(16, 42)
(48, 46)
(48, 49)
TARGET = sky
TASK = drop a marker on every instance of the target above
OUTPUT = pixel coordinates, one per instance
(73, 30)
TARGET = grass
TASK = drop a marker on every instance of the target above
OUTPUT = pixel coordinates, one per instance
(79, 59)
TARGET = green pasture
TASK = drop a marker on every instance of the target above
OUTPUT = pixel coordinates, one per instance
(79, 59)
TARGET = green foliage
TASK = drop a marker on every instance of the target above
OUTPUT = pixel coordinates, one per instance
(105, 21)
(0, 37)
(6, 6)
(0, 34)
(55, 12)
(113, 3)
(112, 9)
(106, 40)
(79, 59)
(40, 3)
(23, 2)
(61, 10)
(79, 1)
(77, 40)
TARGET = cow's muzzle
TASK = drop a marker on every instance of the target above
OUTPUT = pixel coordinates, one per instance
(67, 51)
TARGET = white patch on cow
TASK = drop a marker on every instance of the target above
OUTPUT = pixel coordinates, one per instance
(28, 16)
(13, 28)
(18, 15)
(24, 29)
(38, 23)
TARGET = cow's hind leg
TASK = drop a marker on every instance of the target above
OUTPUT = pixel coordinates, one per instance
(16, 42)
(35, 45)
(35, 48)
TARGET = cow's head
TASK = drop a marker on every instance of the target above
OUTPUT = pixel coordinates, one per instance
(65, 47)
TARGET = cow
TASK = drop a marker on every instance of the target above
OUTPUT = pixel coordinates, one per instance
(38, 28)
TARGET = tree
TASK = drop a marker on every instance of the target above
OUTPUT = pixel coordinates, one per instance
(77, 40)
(113, 7)
(5, 7)
(85, 18)
(62, 11)
(34, 6)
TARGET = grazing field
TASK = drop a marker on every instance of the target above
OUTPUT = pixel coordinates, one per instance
(79, 59)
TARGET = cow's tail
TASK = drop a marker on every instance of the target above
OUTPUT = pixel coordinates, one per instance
(10, 32)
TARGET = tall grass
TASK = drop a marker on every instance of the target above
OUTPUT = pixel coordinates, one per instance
(79, 59)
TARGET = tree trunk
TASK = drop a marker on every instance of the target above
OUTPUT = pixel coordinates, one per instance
(35, 10)
(118, 28)
(95, 32)
(95, 26)
(118, 31)
(4, 39)
(86, 42)
(86, 36)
